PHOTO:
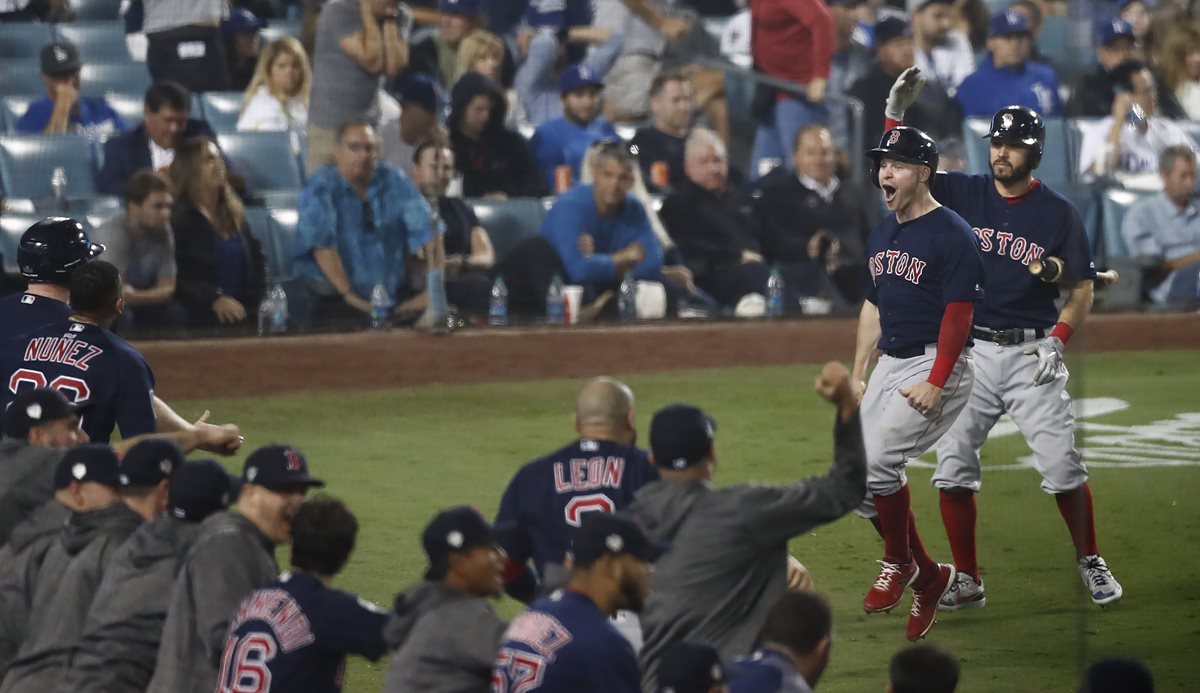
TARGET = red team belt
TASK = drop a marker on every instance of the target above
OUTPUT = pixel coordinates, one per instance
(1016, 335)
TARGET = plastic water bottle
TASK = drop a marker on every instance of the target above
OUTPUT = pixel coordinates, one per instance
(555, 309)
(627, 299)
(775, 294)
(279, 310)
(380, 306)
(498, 306)
(58, 188)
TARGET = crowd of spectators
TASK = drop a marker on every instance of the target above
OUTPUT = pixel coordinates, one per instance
(515, 97)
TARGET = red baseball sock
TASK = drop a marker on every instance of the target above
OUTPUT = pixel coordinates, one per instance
(893, 525)
(875, 523)
(928, 566)
(1077, 511)
(958, 514)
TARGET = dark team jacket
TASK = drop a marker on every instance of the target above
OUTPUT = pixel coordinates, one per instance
(196, 257)
(710, 229)
(789, 213)
(500, 160)
(22, 558)
(293, 636)
(544, 502)
(26, 481)
(85, 363)
(1010, 236)
(917, 268)
(565, 644)
(21, 314)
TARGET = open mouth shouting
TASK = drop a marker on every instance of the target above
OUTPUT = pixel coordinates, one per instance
(889, 193)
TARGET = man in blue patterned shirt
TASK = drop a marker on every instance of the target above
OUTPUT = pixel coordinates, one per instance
(364, 224)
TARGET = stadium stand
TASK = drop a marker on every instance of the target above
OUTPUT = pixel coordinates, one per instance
(509, 221)
(27, 162)
(20, 40)
(98, 42)
(221, 109)
(264, 159)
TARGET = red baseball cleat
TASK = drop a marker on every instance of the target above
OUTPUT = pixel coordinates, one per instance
(889, 587)
(925, 602)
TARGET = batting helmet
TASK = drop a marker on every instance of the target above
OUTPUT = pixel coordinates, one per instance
(906, 144)
(52, 248)
(1021, 125)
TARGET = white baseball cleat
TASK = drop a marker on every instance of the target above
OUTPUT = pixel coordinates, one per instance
(1099, 580)
(965, 593)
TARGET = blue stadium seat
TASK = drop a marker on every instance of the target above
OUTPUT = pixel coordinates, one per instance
(20, 76)
(27, 162)
(509, 221)
(282, 241)
(977, 148)
(11, 228)
(126, 78)
(264, 159)
(1054, 42)
(23, 40)
(222, 109)
(280, 28)
(260, 226)
(96, 10)
(1114, 204)
(1055, 168)
(99, 42)
(129, 106)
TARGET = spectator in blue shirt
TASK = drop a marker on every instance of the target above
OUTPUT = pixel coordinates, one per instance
(1007, 76)
(363, 224)
(563, 141)
(537, 79)
(64, 110)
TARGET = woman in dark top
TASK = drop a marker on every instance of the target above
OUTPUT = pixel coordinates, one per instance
(221, 269)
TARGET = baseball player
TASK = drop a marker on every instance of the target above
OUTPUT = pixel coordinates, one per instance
(926, 276)
(1020, 336)
(294, 634)
(48, 253)
(565, 643)
(548, 497)
(689, 666)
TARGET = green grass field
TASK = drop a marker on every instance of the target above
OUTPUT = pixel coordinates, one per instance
(397, 456)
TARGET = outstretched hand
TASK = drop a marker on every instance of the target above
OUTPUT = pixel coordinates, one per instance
(904, 93)
(833, 385)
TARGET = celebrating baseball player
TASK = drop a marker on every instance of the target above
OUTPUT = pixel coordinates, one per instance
(926, 276)
(1020, 336)
(48, 253)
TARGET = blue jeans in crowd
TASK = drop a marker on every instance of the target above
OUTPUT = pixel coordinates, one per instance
(777, 140)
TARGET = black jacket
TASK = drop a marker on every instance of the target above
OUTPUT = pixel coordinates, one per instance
(196, 260)
(500, 160)
(710, 229)
(934, 112)
(1094, 92)
(129, 152)
(788, 214)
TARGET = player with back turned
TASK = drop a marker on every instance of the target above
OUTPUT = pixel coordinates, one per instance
(1020, 335)
(48, 253)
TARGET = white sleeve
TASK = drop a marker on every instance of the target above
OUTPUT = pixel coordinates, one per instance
(1094, 136)
(262, 113)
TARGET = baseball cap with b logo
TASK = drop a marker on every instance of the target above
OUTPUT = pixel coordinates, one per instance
(602, 534)
(278, 466)
(92, 462)
(680, 436)
(150, 462)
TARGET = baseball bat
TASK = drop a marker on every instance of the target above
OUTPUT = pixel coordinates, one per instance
(1050, 271)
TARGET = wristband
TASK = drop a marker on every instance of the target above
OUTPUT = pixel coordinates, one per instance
(1063, 331)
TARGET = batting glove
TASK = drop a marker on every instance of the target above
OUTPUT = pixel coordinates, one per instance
(1049, 353)
(904, 93)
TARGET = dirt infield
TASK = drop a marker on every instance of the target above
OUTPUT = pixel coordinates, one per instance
(253, 367)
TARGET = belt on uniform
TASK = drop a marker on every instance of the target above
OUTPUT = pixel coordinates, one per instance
(906, 353)
(1009, 337)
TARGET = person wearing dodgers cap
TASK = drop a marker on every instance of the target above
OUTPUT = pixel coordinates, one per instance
(119, 638)
(233, 555)
(571, 630)
(63, 109)
(1008, 76)
(442, 631)
(689, 666)
(1093, 93)
(563, 141)
(729, 545)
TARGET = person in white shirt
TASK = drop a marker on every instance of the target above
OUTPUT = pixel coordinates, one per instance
(943, 53)
(1130, 140)
(277, 98)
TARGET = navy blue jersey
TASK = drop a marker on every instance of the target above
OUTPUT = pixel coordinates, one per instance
(542, 505)
(917, 268)
(294, 634)
(21, 314)
(1011, 235)
(565, 644)
(85, 363)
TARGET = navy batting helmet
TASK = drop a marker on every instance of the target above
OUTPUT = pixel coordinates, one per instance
(1020, 125)
(906, 144)
(52, 248)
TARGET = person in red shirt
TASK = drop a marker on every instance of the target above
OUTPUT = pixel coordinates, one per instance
(790, 40)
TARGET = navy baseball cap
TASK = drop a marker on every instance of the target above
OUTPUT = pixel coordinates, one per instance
(59, 58)
(600, 534)
(419, 90)
(452, 530)
(577, 77)
(36, 408)
(688, 666)
(891, 28)
(150, 462)
(92, 462)
(1007, 23)
(242, 21)
(466, 8)
(199, 489)
(278, 466)
(1113, 29)
(681, 435)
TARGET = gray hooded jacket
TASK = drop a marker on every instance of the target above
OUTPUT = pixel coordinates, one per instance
(20, 564)
(228, 560)
(444, 641)
(26, 481)
(71, 573)
(727, 564)
(115, 653)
